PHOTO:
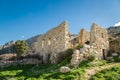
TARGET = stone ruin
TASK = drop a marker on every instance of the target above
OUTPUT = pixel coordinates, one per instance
(58, 40)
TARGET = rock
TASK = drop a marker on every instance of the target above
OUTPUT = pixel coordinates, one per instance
(91, 47)
(91, 50)
(86, 50)
(75, 55)
(76, 58)
(82, 50)
(7, 56)
(81, 55)
(94, 44)
(64, 69)
(114, 54)
(93, 63)
(110, 58)
(86, 46)
(95, 52)
(76, 52)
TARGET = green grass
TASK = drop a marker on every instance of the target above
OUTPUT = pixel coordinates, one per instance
(30, 72)
(46, 72)
(108, 74)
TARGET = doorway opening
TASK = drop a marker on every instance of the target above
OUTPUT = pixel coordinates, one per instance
(103, 52)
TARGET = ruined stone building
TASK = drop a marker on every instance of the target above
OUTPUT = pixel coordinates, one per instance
(99, 40)
(59, 39)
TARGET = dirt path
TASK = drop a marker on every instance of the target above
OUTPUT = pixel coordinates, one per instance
(91, 72)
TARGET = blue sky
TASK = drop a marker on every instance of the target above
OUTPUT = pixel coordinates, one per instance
(21, 19)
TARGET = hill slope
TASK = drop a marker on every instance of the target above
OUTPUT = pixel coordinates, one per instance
(114, 38)
(32, 40)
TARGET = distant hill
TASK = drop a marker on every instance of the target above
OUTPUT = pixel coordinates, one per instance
(114, 38)
(32, 40)
(113, 30)
(8, 47)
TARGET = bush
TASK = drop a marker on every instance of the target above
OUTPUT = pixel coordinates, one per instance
(69, 51)
(79, 47)
(91, 57)
(63, 55)
(116, 58)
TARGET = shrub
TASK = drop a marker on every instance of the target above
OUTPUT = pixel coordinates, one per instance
(79, 47)
(91, 57)
(116, 58)
(69, 51)
(63, 55)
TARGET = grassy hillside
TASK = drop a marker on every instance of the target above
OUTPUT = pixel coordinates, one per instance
(108, 74)
(46, 72)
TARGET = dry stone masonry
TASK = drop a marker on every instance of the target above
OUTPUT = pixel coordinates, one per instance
(83, 54)
(58, 40)
(52, 42)
(99, 40)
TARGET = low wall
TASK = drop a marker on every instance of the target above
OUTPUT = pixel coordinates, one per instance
(4, 63)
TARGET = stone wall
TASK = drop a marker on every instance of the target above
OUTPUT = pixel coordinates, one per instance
(57, 40)
(74, 42)
(99, 39)
(84, 36)
(54, 41)
(83, 54)
(31, 61)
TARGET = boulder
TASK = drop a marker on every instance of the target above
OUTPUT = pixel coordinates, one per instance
(64, 69)
(114, 54)
(86, 46)
(82, 50)
(86, 50)
(110, 58)
(76, 52)
(75, 62)
(91, 50)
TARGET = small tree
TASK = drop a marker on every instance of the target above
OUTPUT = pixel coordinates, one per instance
(20, 47)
